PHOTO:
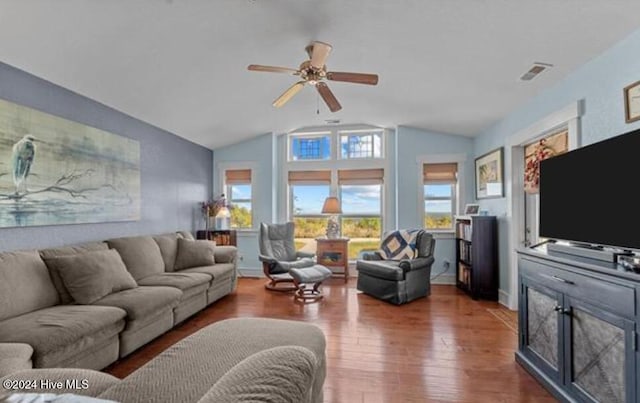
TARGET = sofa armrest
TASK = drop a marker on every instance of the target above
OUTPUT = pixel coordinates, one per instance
(416, 264)
(371, 256)
(301, 255)
(225, 254)
(14, 357)
(286, 375)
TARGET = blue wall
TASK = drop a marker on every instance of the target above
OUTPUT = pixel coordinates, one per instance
(412, 144)
(175, 174)
(259, 154)
(598, 84)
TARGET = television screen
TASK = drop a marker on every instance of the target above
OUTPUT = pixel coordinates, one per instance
(587, 195)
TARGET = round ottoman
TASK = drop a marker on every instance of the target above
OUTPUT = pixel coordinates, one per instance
(307, 281)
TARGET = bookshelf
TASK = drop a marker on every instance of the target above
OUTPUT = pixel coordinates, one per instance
(477, 256)
(221, 237)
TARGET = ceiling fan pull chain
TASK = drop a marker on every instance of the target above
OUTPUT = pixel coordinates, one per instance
(317, 103)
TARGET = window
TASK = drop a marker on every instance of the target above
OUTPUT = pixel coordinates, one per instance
(307, 191)
(440, 185)
(361, 145)
(238, 184)
(310, 147)
(361, 198)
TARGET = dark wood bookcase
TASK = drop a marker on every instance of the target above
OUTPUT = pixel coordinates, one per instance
(221, 237)
(477, 256)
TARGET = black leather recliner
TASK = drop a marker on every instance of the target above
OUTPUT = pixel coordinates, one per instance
(278, 255)
(398, 281)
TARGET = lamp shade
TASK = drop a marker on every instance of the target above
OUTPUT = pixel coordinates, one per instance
(331, 206)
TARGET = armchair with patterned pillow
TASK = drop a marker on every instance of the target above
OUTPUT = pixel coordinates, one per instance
(400, 271)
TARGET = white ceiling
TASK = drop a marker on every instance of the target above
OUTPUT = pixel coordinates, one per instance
(450, 65)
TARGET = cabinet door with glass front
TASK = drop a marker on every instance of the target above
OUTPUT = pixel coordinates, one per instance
(600, 354)
(541, 328)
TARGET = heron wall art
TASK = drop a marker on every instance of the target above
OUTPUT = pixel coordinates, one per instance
(55, 171)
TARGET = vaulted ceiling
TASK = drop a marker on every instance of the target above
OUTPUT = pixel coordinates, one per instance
(448, 66)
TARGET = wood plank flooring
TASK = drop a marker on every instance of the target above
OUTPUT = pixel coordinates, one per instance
(446, 347)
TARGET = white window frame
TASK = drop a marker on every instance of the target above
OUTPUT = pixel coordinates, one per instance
(231, 200)
(365, 183)
(360, 133)
(460, 160)
(308, 135)
(454, 205)
(221, 186)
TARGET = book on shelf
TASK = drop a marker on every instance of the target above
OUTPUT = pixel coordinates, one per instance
(463, 230)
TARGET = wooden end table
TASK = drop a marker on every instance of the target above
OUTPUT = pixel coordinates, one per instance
(334, 253)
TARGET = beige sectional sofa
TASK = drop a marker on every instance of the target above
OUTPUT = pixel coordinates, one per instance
(37, 307)
(234, 360)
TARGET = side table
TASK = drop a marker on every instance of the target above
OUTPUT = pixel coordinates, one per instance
(334, 253)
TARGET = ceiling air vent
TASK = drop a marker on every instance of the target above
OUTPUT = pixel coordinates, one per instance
(332, 121)
(536, 69)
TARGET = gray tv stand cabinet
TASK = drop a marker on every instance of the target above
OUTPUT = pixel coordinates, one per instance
(578, 319)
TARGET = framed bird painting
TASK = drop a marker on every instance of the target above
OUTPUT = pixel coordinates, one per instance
(55, 171)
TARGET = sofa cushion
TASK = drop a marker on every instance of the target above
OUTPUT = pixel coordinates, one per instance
(188, 283)
(14, 357)
(225, 254)
(194, 253)
(25, 284)
(285, 375)
(90, 276)
(218, 271)
(168, 244)
(46, 254)
(186, 371)
(141, 255)
(385, 269)
(60, 332)
(186, 235)
(142, 303)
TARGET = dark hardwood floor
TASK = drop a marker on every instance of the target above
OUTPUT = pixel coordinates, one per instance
(446, 347)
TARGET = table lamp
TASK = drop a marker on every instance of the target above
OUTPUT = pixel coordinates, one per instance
(332, 207)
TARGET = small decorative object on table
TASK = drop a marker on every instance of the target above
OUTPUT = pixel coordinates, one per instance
(332, 207)
(217, 209)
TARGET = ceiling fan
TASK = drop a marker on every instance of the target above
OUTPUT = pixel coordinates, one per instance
(313, 72)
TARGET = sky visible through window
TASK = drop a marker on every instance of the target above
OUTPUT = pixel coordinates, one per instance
(313, 148)
(356, 199)
(438, 190)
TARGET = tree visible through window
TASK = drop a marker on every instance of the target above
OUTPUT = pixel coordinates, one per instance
(306, 209)
(239, 194)
(440, 183)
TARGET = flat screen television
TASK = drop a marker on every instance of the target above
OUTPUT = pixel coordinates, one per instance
(587, 194)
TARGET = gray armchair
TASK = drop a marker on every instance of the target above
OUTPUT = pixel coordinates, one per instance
(398, 281)
(278, 255)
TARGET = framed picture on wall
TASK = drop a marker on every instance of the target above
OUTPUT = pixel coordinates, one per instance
(489, 173)
(632, 102)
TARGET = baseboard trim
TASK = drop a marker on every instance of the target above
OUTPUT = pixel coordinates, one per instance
(249, 272)
(445, 279)
(504, 298)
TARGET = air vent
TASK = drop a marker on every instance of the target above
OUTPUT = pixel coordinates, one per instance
(332, 121)
(537, 68)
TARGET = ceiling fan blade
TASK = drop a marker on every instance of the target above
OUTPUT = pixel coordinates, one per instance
(358, 78)
(271, 69)
(319, 54)
(328, 97)
(288, 94)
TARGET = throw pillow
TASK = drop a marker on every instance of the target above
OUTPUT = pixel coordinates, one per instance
(92, 275)
(194, 253)
(399, 245)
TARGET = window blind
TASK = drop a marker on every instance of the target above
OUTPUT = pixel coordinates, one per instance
(309, 176)
(446, 172)
(237, 176)
(352, 175)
